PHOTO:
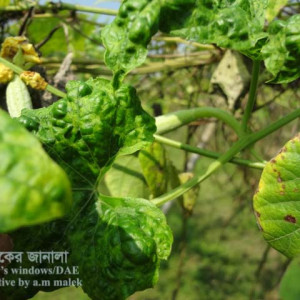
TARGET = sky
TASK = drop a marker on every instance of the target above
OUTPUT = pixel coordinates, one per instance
(95, 3)
(105, 4)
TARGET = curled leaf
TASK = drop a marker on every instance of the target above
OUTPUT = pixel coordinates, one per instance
(86, 130)
(189, 198)
(281, 53)
(127, 37)
(123, 246)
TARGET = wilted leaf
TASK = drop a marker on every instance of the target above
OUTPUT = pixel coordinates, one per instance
(232, 76)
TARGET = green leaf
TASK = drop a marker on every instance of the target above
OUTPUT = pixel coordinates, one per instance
(276, 202)
(85, 131)
(155, 168)
(125, 178)
(289, 286)
(127, 37)
(274, 7)
(235, 25)
(33, 188)
(175, 13)
(124, 243)
(281, 53)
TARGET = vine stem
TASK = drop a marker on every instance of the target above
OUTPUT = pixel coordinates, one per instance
(241, 144)
(207, 153)
(252, 95)
(19, 70)
(177, 119)
(62, 6)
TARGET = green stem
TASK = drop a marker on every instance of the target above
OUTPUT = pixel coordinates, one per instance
(84, 8)
(177, 119)
(53, 90)
(207, 153)
(10, 65)
(252, 95)
(62, 6)
(19, 70)
(241, 144)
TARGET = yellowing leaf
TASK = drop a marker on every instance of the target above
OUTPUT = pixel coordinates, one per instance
(277, 200)
(274, 7)
(232, 76)
(4, 3)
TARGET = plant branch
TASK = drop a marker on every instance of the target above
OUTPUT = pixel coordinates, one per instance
(252, 95)
(167, 65)
(207, 153)
(50, 6)
(241, 144)
(183, 41)
(19, 70)
(47, 38)
(177, 119)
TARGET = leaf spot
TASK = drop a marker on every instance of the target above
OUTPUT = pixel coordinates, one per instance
(279, 179)
(290, 219)
(283, 150)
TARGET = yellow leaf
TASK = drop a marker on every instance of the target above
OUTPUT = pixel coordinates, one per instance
(274, 8)
(4, 3)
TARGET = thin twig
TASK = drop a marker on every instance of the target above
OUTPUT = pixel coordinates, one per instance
(182, 257)
(25, 22)
(47, 38)
(80, 32)
(257, 273)
(282, 272)
(176, 55)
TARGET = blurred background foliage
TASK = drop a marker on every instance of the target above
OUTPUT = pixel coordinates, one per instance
(218, 251)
